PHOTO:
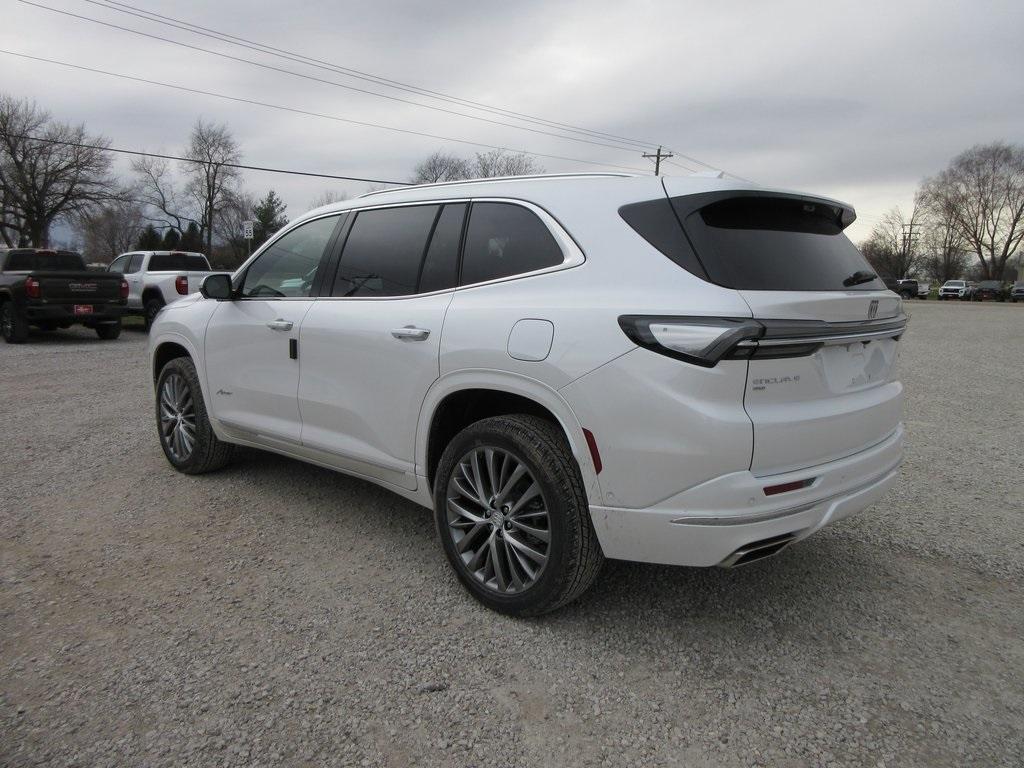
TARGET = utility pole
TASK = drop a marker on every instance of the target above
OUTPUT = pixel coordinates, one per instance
(658, 157)
(909, 238)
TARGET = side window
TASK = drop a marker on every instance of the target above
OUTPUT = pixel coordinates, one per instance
(383, 251)
(288, 266)
(118, 264)
(504, 239)
(441, 266)
(134, 263)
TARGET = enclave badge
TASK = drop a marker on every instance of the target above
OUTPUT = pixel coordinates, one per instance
(873, 309)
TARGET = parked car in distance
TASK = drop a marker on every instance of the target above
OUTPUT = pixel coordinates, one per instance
(1017, 292)
(913, 289)
(953, 289)
(687, 371)
(990, 290)
(890, 282)
(52, 289)
(158, 278)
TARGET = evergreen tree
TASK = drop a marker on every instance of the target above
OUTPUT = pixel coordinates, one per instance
(171, 241)
(268, 217)
(192, 240)
(149, 239)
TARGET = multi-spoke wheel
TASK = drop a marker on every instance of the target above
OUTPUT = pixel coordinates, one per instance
(186, 436)
(513, 516)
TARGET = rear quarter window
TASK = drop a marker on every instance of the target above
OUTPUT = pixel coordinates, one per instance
(504, 239)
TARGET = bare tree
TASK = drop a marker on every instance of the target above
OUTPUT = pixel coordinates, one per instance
(157, 190)
(327, 197)
(441, 166)
(109, 230)
(498, 162)
(46, 172)
(944, 249)
(239, 209)
(211, 182)
(983, 189)
(892, 249)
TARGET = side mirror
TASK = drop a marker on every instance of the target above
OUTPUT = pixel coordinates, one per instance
(216, 287)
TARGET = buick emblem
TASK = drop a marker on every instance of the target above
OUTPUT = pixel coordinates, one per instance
(873, 309)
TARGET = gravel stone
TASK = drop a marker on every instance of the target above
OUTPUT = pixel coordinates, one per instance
(276, 613)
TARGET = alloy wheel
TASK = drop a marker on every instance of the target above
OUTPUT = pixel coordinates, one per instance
(177, 417)
(498, 520)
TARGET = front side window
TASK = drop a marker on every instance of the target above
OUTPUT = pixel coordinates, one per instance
(288, 266)
(384, 250)
(118, 264)
(134, 264)
(504, 239)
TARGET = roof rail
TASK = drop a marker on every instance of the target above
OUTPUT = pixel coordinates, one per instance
(501, 178)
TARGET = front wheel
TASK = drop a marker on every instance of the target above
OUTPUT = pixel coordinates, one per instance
(513, 516)
(186, 436)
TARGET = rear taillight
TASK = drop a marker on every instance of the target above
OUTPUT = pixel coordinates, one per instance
(32, 288)
(124, 289)
(698, 340)
(181, 284)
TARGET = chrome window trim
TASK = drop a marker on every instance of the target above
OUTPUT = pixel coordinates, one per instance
(572, 254)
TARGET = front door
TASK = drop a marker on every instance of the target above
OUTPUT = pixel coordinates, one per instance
(252, 370)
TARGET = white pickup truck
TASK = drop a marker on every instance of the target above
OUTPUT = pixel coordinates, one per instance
(158, 278)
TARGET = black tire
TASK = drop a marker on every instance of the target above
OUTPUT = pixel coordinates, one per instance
(109, 331)
(152, 308)
(207, 453)
(13, 324)
(47, 326)
(574, 556)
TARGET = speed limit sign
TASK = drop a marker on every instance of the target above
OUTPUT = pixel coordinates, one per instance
(247, 230)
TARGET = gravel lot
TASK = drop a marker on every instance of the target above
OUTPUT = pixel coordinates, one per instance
(276, 613)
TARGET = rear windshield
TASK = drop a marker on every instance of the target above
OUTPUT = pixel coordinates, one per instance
(760, 243)
(177, 262)
(29, 261)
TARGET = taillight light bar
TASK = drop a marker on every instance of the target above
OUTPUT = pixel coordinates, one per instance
(181, 284)
(33, 289)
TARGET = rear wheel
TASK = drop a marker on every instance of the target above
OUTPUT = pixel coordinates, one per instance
(13, 324)
(109, 331)
(513, 516)
(152, 308)
(186, 436)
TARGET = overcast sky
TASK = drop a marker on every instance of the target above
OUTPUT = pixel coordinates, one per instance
(854, 100)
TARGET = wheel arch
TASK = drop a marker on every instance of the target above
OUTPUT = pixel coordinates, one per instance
(459, 398)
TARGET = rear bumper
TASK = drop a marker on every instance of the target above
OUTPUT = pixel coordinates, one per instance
(716, 521)
(65, 313)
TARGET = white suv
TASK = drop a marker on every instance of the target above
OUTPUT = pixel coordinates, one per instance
(680, 370)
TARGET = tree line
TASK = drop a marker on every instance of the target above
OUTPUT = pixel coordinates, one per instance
(966, 221)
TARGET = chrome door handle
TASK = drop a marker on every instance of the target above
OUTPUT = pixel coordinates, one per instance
(410, 333)
(280, 325)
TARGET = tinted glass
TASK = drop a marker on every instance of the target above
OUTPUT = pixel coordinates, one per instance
(118, 264)
(505, 239)
(990, 284)
(135, 263)
(383, 251)
(174, 262)
(288, 266)
(441, 267)
(30, 261)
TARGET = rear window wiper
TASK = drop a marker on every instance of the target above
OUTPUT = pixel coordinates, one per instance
(858, 277)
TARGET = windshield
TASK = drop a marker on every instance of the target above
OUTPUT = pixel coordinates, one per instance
(955, 283)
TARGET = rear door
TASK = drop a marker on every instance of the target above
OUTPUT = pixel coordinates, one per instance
(822, 381)
(369, 347)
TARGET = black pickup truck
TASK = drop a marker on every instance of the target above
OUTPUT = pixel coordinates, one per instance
(53, 289)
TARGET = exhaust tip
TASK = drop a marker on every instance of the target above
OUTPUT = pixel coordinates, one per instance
(758, 550)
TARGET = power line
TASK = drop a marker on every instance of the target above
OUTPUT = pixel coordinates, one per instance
(354, 73)
(658, 157)
(313, 78)
(308, 113)
(194, 160)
